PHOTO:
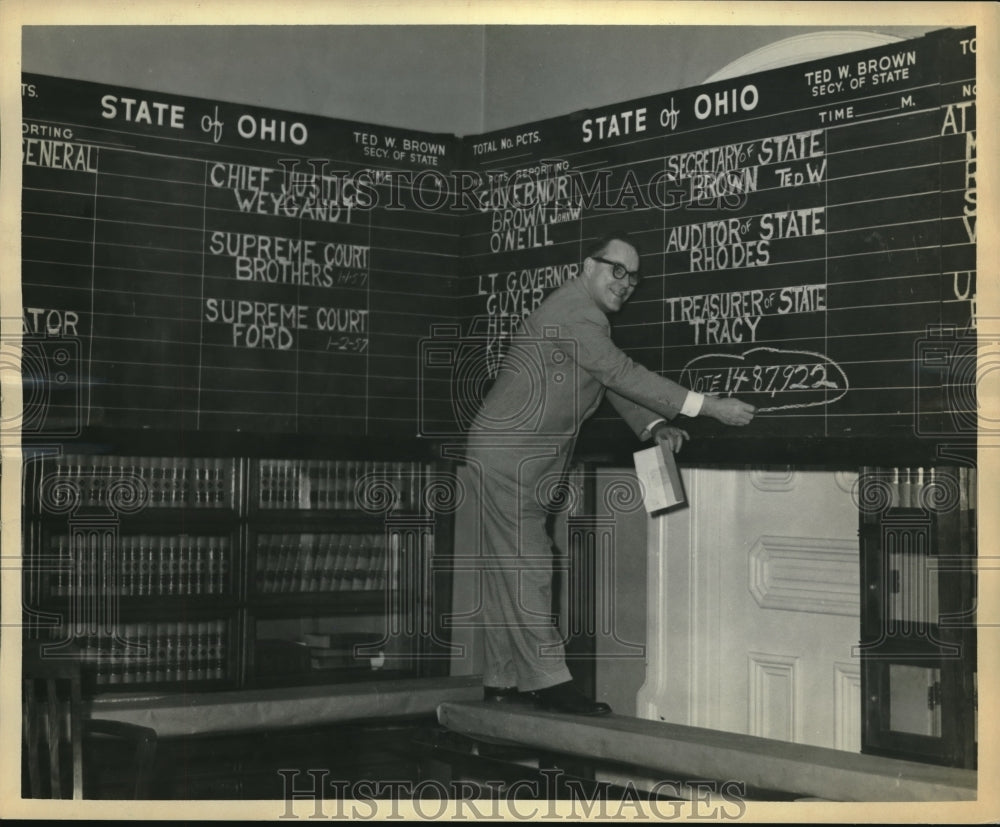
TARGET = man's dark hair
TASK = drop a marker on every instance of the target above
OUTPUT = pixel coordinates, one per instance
(600, 246)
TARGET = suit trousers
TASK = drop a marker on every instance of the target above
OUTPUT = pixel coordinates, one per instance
(523, 645)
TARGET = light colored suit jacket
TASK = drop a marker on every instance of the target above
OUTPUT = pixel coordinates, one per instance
(553, 377)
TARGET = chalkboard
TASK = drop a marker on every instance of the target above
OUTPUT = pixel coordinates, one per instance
(205, 266)
(807, 239)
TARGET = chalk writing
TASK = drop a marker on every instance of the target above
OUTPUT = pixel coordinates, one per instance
(627, 122)
(807, 173)
(37, 152)
(278, 260)
(44, 130)
(292, 193)
(517, 139)
(525, 203)
(872, 71)
(726, 102)
(969, 211)
(808, 378)
(741, 242)
(276, 130)
(794, 147)
(887, 68)
(958, 119)
(212, 125)
(714, 172)
(412, 150)
(724, 318)
(50, 322)
(736, 167)
(510, 297)
(271, 325)
(152, 113)
(822, 81)
(348, 344)
(964, 289)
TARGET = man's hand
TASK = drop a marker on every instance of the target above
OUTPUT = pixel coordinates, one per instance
(670, 436)
(728, 411)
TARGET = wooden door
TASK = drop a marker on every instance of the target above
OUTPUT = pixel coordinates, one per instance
(753, 607)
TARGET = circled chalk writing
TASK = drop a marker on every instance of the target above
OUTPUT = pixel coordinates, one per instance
(803, 378)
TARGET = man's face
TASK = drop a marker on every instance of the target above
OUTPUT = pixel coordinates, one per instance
(609, 293)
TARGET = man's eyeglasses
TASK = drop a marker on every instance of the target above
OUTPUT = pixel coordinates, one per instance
(619, 271)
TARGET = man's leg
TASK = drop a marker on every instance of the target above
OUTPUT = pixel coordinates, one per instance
(518, 591)
(523, 591)
(498, 669)
(517, 555)
(498, 664)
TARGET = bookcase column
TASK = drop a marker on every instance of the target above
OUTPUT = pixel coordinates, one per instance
(410, 540)
(94, 595)
(94, 504)
(592, 601)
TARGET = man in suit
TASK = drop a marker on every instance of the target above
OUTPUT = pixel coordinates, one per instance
(559, 366)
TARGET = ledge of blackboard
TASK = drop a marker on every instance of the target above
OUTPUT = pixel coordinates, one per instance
(802, 453)
(611, 447)
(152, 442)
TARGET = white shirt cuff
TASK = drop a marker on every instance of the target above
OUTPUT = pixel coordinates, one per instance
(648, 432)
(691, 408)
(692, 404)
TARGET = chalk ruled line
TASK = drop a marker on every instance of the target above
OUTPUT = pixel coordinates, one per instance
(863, 150)
(742, 217)
(93, 278)
(201, 303)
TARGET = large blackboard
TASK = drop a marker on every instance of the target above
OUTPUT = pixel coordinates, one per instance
(807, 238)
(207, 266)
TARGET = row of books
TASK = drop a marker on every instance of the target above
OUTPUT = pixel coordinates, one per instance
(327, 562)
(158, 652)
(147, 566)
(343, 651)
(341, 484)
(192, 482)
(924, 488)
(185, 565)
(166, 482)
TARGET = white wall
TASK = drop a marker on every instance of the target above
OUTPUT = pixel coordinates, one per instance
(418, 77)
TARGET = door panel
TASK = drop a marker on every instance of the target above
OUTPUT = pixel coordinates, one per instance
(753, 607)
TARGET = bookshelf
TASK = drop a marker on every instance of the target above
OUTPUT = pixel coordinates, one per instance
(202, 573)
(918, 641)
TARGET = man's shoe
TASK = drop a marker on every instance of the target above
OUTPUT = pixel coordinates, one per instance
(504, 694)
(565, 697)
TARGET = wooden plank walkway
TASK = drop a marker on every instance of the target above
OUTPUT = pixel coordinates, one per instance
(763, 763)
